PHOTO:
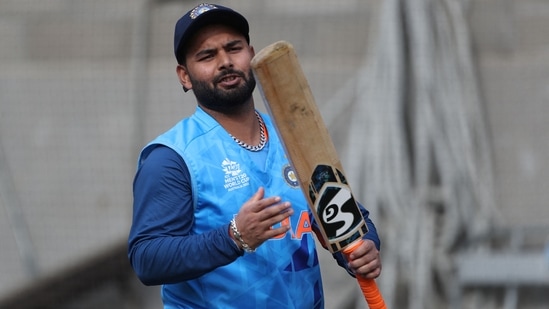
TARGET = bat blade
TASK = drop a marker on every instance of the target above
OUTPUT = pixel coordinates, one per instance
(312, 154)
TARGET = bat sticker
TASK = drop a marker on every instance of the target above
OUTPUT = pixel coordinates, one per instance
(336, 208)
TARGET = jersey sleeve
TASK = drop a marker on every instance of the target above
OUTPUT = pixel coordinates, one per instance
(161, 247)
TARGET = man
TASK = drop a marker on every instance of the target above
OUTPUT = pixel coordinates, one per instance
(216, 219)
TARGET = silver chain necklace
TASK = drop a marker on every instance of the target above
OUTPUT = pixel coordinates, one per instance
(262, 137)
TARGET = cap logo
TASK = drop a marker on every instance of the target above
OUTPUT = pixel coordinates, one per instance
(201, 8)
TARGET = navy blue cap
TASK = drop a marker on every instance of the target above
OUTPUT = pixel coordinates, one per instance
(202, 15)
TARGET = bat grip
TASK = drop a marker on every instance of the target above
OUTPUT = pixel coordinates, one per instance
(368, 286)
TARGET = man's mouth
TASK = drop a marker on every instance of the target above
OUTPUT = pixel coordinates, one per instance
(229, 80)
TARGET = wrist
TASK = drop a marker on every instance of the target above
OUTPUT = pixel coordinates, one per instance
(233, 239)
(237, 237)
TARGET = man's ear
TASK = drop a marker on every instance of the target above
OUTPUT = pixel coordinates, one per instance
(183, 76)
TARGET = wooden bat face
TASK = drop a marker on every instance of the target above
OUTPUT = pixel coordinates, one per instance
(309, 147)
(312, 154)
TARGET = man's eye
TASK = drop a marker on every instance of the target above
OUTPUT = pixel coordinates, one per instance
(205, 57)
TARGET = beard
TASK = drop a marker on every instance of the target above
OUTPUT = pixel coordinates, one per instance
(225, 101)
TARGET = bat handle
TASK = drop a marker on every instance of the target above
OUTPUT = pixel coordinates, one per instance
(368, 286)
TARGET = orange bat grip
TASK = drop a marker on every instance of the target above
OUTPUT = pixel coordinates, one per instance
(368, 286)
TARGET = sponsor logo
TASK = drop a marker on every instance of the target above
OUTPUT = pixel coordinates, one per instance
(336, 210)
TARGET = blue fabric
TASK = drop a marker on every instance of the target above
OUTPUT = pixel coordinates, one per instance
(179, 236)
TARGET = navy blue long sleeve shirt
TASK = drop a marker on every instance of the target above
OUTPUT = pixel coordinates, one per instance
(162, 249)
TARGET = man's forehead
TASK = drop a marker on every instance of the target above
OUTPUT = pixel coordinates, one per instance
(214, 36)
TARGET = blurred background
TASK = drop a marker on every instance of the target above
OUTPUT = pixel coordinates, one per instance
(438, 108)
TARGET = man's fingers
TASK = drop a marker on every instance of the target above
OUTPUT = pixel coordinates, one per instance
(275, 209)
(258, 216)
(365, 248)
(258, 202)
(365, 260)
(258, 195)
(368, 266)
(273, 232)
(370, 271)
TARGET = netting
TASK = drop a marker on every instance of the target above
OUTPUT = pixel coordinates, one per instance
(85, 84)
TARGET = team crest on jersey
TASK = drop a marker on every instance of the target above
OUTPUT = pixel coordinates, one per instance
(289, 176)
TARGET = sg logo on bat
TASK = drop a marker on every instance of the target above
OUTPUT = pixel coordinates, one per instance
(336, 209)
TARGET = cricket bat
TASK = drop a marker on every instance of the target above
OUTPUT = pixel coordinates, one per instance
(312, 154)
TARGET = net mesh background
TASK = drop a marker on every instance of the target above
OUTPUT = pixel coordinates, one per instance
(85, 84)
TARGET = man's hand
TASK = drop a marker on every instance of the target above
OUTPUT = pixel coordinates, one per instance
(258, 215)
(365, 260)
